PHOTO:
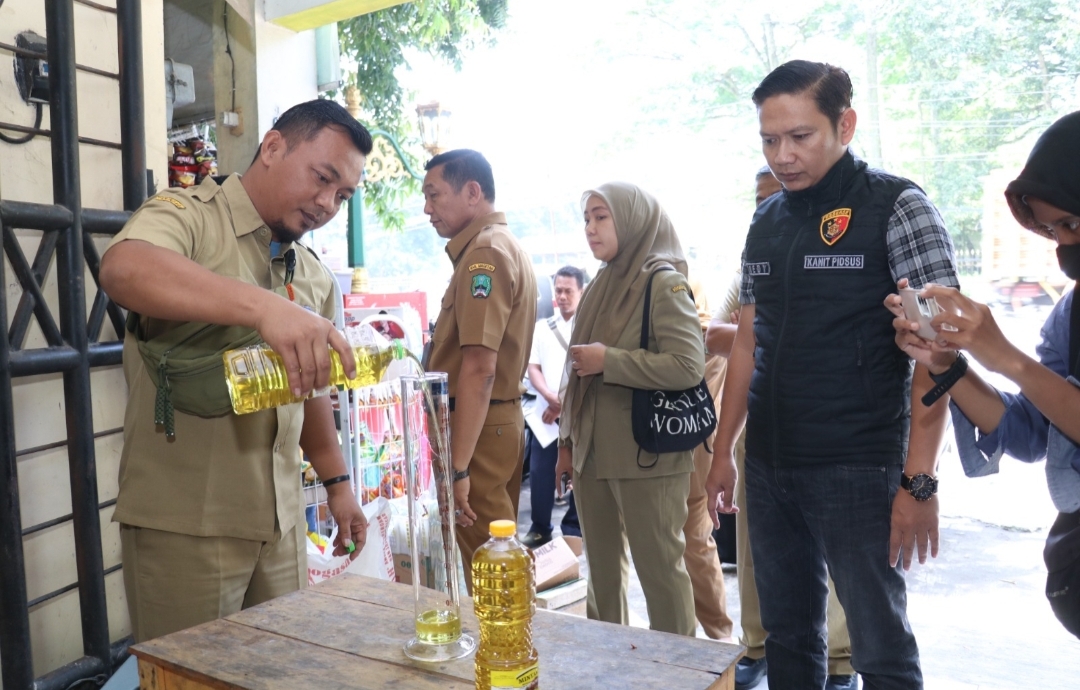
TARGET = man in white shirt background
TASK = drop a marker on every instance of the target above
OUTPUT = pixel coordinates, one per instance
(547, 364)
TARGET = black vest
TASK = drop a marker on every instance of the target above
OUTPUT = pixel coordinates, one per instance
(829, 382)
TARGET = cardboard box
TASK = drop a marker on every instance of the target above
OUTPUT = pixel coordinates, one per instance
(403, 569)
(557, 562)
(563, 595)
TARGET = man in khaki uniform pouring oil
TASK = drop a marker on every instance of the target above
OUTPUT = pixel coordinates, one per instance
(210, 505)
(482, 341)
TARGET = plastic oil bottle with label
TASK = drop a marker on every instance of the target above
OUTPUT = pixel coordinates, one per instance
(257, 379)
(504, 598)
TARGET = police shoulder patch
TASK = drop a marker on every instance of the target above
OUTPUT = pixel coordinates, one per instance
(481, 285)
(169, 199)
(679, 288)
(482, 267)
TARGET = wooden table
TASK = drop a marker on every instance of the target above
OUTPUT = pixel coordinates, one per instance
(348, 633)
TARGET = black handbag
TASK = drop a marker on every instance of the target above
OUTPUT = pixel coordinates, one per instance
(669, 421)
(1062, 551)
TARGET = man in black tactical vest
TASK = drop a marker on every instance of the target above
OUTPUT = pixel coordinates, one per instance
(831, 434)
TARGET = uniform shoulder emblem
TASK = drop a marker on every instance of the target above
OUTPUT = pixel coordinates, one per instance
(482, 267)
(170, 200)
(679, 288)
(481, 286)
(834, 224)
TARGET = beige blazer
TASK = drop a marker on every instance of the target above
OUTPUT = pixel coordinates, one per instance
(675, 360)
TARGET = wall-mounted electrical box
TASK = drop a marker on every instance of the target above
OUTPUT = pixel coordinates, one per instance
(32, 73)
(179, 87)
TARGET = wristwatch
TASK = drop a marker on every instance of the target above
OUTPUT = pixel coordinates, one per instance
(946, 379)
(461, 474)
(921, 486)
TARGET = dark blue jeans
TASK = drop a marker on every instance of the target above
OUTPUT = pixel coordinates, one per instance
(542, 488)
(808, 522)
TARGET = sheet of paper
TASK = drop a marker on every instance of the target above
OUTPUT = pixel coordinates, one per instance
(534, 417)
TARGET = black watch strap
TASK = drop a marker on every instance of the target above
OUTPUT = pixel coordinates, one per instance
(461, 474)
(946, 380)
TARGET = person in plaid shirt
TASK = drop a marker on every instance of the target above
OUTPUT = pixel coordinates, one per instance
(841, 451)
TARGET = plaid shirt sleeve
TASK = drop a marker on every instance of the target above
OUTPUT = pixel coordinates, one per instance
(919, 246)
(746, 284)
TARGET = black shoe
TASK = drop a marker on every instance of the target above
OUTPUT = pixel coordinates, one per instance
(749, 672)
(842, 682)
(535, 539)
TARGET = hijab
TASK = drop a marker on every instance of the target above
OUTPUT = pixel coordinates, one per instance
(1051, 174)
(647, 241)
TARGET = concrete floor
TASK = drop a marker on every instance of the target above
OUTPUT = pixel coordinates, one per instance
(978, 610)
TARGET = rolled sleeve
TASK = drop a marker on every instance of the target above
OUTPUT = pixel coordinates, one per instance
(1023, 432)
(919, 246)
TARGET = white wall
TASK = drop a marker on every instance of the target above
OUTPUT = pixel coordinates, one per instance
(285, 69)
(26, 175)
(285, 75)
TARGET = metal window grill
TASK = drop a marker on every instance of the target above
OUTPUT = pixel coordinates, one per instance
(73, 346)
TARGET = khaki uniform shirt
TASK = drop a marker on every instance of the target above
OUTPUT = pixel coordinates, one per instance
(491, 301)
(235, 475)
(673, 360)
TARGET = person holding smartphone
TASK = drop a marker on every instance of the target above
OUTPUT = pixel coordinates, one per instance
(1041, 420)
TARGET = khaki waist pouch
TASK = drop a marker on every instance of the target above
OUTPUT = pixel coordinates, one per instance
(187, 368)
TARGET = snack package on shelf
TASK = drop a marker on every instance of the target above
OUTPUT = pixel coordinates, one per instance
(379, 446)
(191, 161)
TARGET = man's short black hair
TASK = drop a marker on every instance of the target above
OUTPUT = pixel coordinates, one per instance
(465, 165)
(572, 272)
(765, 170)
(829, 85)
(304, 121)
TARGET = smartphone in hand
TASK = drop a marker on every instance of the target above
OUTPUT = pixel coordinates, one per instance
(921, 310)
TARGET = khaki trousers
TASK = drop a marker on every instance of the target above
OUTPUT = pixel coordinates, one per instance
(176, 581)
(494, 478)
(648, 515)
(702, 561)
(753, 636)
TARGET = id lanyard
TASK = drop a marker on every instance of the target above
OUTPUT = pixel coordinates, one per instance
(290, 269)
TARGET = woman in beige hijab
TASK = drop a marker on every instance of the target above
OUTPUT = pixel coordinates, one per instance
(623, 495)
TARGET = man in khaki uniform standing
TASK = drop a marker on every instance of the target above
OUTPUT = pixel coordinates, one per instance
(482, 341)
(211, 514)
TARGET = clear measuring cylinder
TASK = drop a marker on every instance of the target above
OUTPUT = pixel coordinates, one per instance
(429, 484)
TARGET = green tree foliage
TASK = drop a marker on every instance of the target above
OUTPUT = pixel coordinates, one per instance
(379, 44)
(969, 78)
(941, 88)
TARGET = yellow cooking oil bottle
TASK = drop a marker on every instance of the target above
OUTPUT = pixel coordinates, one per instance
(504, 598)
(257, 379)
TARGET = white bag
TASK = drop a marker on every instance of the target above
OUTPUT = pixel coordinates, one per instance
(375, 559)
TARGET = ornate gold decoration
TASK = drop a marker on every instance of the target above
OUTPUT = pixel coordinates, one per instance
(384, 163)
(360, 281)
(352, 101)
